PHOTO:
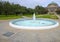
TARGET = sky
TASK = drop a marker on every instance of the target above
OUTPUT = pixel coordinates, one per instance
(33, 3)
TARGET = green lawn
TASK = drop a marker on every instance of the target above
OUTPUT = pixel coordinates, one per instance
(47, 16)
(51, 16)
(2, 17)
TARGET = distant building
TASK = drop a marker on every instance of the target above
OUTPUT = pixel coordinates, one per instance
(52, 7)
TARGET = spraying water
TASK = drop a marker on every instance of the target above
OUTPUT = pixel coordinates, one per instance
(34, 17)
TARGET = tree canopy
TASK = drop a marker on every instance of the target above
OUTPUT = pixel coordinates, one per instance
(7, 8)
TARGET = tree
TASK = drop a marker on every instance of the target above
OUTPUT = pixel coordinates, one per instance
(7, 8)
(30, 11)
(40, 10)
(58, 11)
(1, 8)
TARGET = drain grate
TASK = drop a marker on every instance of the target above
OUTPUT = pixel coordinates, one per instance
(8, 34)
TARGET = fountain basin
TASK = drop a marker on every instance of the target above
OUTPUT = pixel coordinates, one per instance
(33, 24)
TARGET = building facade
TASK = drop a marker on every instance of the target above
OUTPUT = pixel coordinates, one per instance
(52, 8)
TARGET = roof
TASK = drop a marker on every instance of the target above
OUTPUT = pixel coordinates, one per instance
(53, 3)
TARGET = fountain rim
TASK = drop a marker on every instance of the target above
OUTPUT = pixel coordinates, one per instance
(33, 28)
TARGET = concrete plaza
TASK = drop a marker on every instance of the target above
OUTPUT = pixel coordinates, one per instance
(19, 35)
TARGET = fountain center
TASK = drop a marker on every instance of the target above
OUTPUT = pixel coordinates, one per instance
(34, 17)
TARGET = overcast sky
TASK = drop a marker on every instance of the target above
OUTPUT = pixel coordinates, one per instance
(33, 3)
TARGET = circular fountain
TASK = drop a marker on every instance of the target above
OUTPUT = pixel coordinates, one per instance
(34, 23)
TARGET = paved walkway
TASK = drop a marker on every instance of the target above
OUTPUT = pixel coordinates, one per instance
(52, 35)
(57, 15)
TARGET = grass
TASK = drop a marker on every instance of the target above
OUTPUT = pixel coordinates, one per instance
(51, 16)
(47, 16)
(3, 17)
